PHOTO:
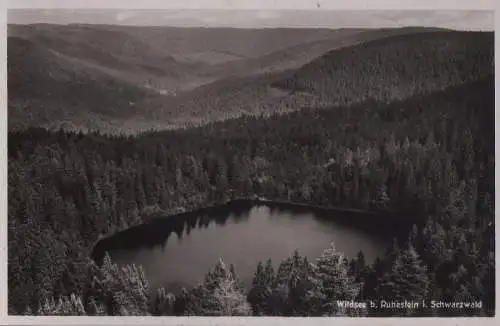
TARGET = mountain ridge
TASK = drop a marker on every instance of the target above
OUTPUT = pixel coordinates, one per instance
(388, 64)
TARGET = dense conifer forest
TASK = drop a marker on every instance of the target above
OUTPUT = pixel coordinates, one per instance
(430, 154)
(130, 79)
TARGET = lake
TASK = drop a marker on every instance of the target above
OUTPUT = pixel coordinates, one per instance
(178, 250)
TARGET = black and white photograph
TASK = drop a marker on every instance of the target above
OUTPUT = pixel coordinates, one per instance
(250, 163)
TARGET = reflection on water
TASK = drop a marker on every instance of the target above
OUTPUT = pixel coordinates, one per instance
(178, 250)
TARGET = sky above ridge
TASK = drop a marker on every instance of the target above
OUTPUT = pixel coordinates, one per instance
(454, 19)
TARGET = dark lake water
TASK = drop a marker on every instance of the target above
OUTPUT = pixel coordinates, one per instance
(178, 250)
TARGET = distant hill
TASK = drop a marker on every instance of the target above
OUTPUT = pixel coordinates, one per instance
(115, 53)
(219, 45)
(105, 77)
(394, 67)
(298, 55)
(130, 79)
(383, 69)
(45, 87)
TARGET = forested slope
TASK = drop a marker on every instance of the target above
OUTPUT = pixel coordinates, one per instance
(43, 84)
(385, 69)
(65, 75)
(295, 56)
(131, 79)
(430, 154)
(395, 67)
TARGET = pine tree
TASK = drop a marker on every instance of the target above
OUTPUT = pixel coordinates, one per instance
(124, 289)
(229, 300)
(239, 283)
(164, 303)
(181, 303)
(330, 282)
(278, 299)
(269, 275)
(64, 306)
(292, 280)
(406, 280)
(358, 268)
(261, 290)
(457, 207)
(434, 250)
(95, 308)
(218, 295)
(259, 276)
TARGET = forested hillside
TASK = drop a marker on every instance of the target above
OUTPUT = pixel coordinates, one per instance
(43, 84)
(395, 67)
(386, 69)
(131, 79)
(295, 56)
(220, 45)
(431, 154)
(64, 75)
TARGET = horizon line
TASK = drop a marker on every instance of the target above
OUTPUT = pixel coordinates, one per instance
(478, 20)
(423, 27)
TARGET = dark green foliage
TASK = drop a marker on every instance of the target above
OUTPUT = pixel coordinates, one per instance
(330, 282)
(415, 157)
(218, 295)
(78, 79)
(65, 306)
(395, 68)
(262, 289)
(164, 303)
(95, 308)
(407, 279)
(124, 290)
(292, 283)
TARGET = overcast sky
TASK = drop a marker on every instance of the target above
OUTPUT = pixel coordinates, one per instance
(468, 20)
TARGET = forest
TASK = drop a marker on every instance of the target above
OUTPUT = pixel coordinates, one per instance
(432, 154)
(117, 79)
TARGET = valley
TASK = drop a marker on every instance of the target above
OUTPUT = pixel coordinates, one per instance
(165, 78)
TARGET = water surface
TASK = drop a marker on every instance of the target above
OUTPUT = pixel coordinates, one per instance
(178, 250)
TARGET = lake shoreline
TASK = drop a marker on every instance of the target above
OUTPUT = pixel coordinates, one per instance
(375, 220)
(241, 230)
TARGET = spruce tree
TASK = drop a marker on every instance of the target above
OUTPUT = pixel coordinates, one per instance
(218, 295)
(261, 290)
(359, 270)
(95, 308)
(269, 274)
(407, 280)
(64, 306)
(164, 303)
(124, 289)
(259, 276)
(330, 281)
